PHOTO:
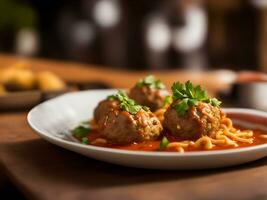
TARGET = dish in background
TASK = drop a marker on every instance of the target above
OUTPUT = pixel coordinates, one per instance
(249, 90)
(21, 88)
(19, 77)
(251, 94)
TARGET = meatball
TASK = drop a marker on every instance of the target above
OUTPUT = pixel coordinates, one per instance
(147, 96)
(121, 127)
(103, 108)
(202, 119)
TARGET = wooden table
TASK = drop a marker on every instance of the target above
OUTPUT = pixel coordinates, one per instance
(43, 171)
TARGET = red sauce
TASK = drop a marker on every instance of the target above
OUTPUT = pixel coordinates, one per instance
(154, 145)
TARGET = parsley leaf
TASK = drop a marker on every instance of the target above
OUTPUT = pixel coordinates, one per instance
(190, 96)
(146, 108)
(181, 107)
(81, 131)
(178, 90)
(215, 102)
(151, 82)
(126, 103)
(163, 144)
(167, 100)
(85, 140)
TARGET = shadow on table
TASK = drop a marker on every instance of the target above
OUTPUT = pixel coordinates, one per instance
(39, 161)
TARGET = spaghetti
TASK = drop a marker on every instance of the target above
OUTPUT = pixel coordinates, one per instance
(227, 136)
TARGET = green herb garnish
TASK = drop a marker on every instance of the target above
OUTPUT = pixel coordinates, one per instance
(167, 100)
(126, 103)
(151, 82)
(163, 144)
(190, 96)
(81, 131)
(146, 108)
(85, 140)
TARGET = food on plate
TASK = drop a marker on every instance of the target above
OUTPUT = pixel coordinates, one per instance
(149, 92)
(192, 114)
(121, 121)
(187, 120)
(19, 77)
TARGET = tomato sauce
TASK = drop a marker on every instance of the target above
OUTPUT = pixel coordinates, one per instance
(154, 145)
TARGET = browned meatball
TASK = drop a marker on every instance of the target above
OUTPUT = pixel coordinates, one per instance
(202, 119)
(103, 108)
(147, 96)
(121, 127)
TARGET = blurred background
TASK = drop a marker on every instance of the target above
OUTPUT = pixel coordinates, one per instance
(151, 34)
(136, 35)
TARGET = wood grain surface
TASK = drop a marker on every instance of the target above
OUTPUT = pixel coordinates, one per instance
(43, 171)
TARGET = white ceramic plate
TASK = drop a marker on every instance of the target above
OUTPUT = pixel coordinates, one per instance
(53, 120)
